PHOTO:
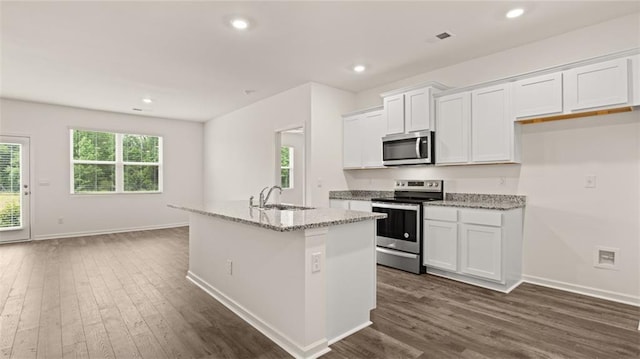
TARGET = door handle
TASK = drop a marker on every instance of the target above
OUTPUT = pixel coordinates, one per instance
(418, 147)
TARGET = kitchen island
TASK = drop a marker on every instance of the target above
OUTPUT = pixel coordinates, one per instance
(305, 278)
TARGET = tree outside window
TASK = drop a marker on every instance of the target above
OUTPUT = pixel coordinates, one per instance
(104, 162)
(286, 167)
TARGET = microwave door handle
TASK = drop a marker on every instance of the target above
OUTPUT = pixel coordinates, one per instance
(418, 147)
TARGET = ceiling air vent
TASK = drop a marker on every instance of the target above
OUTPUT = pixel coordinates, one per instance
(443, 35)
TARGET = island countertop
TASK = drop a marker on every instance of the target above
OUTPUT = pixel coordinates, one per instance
(276, 219)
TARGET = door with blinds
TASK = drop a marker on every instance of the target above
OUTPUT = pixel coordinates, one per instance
(15, 191)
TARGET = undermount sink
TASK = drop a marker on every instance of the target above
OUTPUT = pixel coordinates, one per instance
(286, 207)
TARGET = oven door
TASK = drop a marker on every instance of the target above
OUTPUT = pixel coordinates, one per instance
(407, 149)
(401, 229)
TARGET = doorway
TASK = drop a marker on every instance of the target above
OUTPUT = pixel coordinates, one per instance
(15, 203)
(290, 166)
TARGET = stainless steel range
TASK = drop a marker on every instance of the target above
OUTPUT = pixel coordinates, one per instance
(399, 236)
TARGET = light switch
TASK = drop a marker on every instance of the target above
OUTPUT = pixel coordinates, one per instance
(315, 262)
(590, 181)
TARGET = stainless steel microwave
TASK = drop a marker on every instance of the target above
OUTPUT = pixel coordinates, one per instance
(416, 148)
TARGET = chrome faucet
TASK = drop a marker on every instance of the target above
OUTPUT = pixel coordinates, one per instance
(263, 199)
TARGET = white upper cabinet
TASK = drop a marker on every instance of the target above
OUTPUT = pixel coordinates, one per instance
(538, 96)
(492, 128)
(394, 110)
(603, 84)
(476, 127)
(352, 142)
(374, 127)
(410, 109)
(635, 78)
(362, 139)
(453, 121)
(417, 109)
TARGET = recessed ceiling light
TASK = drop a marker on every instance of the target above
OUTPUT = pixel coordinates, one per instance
(359, 68)
(147, 100)
(240, 24)
(515, 13)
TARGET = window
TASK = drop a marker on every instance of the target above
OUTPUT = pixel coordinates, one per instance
(105, 162)
(286, 167)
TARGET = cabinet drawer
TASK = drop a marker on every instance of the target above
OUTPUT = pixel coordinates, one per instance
(487, 218)
(441, 213)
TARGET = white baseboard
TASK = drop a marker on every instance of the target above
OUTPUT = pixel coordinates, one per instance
(311, 351)
(588, 291)
(109, 231)
(352, 331)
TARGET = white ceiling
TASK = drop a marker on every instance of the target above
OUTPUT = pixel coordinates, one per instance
(184, 55)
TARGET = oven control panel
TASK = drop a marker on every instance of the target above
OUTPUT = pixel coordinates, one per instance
(419, 185)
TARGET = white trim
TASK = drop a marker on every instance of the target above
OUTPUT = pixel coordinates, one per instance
(347, 333)
(584, 290)
(119, 163)
(109, 231)
(484, 283)
(313, 350)
(544, 71)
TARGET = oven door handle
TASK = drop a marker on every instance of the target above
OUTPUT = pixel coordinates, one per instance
(396, 253)
(409, 207)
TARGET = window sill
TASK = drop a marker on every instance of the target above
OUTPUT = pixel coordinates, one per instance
(101, 194)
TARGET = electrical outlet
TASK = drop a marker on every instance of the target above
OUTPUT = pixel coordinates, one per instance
(606, 257)
(229, 267)
(315, 262)
(590, 181)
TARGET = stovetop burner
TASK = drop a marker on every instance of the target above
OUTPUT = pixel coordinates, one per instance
(412, 191)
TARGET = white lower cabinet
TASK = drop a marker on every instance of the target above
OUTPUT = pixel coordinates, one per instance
(354, 205)
(481, 251)
(477, 246)
(441, 250)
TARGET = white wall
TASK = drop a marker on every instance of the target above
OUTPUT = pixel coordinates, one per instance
(563, 220)
(240, 154)
(48, 127)
(294, 194)
(325, 161)
(239, 148)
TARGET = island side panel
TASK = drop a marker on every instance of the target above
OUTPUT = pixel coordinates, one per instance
(351, 278)
(267, 279)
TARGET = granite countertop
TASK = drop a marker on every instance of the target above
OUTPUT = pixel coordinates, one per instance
(359, 195)
(483, 201)
(279, 220)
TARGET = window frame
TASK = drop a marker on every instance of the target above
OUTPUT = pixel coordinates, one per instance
(119, 164)
(290, 167)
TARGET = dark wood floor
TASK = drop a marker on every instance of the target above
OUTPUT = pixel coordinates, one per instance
(125, 296)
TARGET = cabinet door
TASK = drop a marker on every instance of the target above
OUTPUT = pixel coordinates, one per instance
(453, 117)
(481, 251)
(374, 127)
(492, 128)
(352, 143)
(441, 244)
(394, 111)
(364, 206)
(598, 85)
(339, 203)
(417, 109)
(635, 79)
(537, 96)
